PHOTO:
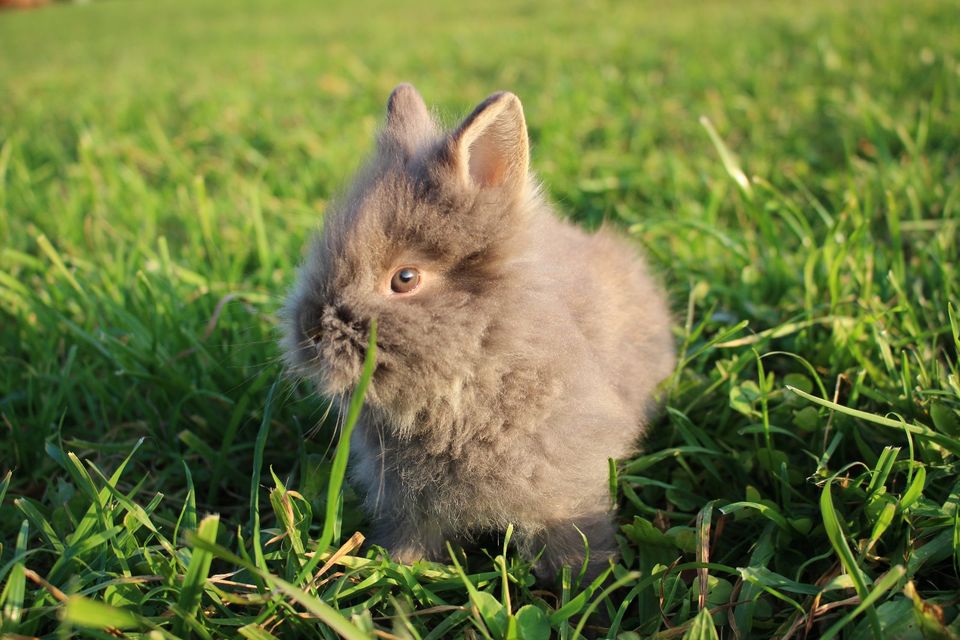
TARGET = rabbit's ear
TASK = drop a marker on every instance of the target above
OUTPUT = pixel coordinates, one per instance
(490, 148)
(408, 122)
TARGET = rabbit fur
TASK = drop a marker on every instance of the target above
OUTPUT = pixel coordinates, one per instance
(528, 356)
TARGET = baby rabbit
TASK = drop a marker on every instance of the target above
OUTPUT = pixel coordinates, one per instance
(515, 352)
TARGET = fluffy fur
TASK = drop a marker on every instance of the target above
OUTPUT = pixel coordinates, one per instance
(529, 355)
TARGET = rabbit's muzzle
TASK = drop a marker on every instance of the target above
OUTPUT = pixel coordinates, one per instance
(340, 343)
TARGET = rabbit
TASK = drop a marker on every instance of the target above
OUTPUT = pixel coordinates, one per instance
(516, 353)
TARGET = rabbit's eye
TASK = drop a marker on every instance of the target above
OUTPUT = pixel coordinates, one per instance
(405, 280)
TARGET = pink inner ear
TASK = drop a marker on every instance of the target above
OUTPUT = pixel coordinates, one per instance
(487, 165)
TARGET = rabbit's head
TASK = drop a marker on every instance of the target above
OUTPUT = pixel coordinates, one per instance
(424, 241)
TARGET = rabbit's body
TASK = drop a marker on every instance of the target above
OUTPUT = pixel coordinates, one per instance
(527, 358)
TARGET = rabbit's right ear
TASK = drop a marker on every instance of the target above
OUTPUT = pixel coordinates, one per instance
(409, 124)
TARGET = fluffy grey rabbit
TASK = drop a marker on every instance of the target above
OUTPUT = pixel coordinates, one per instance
(516, 352)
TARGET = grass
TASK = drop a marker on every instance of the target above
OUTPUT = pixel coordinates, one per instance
(793, 171)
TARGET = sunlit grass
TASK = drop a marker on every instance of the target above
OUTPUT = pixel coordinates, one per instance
(792, 170)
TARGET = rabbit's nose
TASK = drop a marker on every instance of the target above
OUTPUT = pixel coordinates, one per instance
(344, 315)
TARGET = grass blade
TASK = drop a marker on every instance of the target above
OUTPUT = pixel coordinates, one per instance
(838, 541)
(950, 444)
(85, 612)
(4, 484)
(197, 571)
(726, 157)
(258, 448)
(11, 598)
(339, 468)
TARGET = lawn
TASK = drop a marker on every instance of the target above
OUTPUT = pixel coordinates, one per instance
(792, 169)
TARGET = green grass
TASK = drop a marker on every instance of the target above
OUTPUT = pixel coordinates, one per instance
(161, 165)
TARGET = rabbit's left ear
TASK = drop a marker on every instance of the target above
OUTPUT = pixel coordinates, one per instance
(490, 148)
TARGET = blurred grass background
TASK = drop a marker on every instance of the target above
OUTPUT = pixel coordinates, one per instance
(161, 165)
